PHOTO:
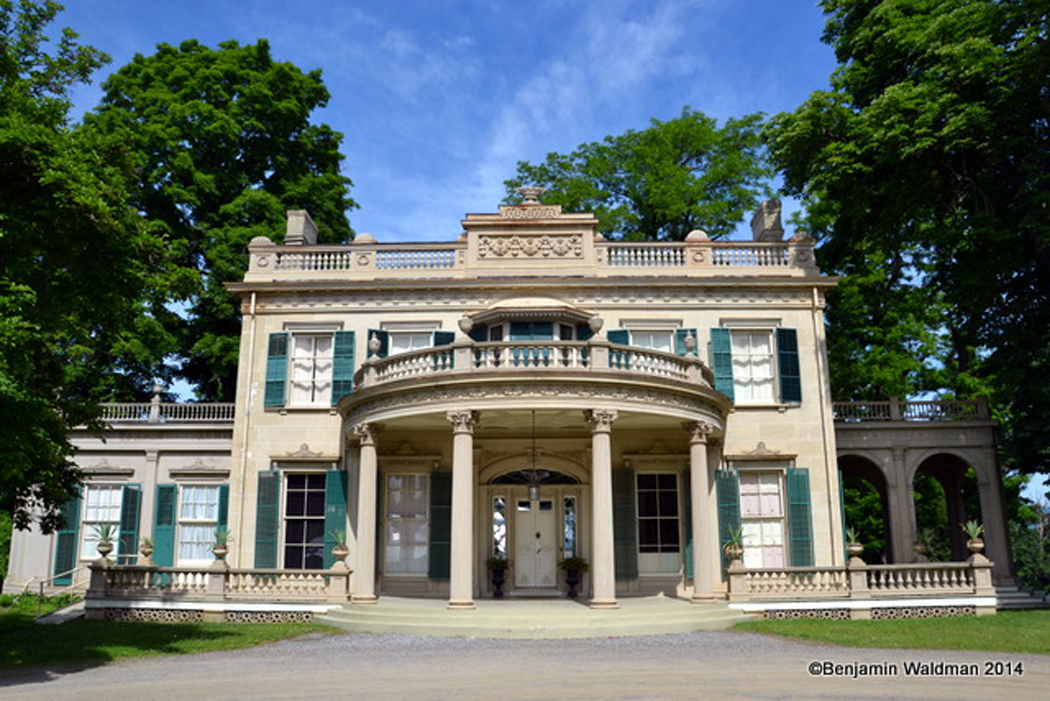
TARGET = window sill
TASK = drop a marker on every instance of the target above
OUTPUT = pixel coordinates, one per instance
(781, 407)
(284, 410)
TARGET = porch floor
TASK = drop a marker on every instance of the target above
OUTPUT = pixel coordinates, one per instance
(533, 619)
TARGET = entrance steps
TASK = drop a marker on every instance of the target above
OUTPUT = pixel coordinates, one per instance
(1008, 598)
(532, 618)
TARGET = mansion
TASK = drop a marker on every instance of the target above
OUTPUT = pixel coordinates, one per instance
(528, 392)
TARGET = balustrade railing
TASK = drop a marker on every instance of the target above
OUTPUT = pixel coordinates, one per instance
(919, 410)
(858, 580)
(757, 255)
(217, 583)
(509, 356)
(167, 412)
(646, 255)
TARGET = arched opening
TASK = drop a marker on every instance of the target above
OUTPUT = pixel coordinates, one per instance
(539, 476)
(866, 504)
(946, 497)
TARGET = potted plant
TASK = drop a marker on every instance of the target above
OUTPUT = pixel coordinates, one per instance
(853, 545)
(146, 548)
(222, 542)
(574, 566)
(973, 531)
(106, 533)
(497, 567)
(340, 551)
(734, 547)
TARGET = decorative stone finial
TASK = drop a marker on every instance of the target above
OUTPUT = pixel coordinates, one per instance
(466, 324)
(596, 323)
(530, 194)
(374, 344)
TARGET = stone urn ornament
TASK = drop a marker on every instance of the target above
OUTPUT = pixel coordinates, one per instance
(734, 547)
(340, 551)
(106, 533)
(853, 545)
(222, 542)
(973, 531)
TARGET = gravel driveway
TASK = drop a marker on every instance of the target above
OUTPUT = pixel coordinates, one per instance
(718, 665)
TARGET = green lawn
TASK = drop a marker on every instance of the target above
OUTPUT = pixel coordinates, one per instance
(1007, 631)
(25, 643)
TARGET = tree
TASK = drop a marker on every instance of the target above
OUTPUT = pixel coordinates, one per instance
(660, 183)
(222, 145)
(72, 261)
(924, 172)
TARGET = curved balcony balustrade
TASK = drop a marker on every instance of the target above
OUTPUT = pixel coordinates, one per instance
(490, 373)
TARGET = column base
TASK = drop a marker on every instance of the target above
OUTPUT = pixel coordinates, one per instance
(462, 605)
(363, 599)
(604, 604)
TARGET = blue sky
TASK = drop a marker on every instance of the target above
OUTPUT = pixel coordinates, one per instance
(439, 100)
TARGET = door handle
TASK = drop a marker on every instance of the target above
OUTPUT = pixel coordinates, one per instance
(537, 536)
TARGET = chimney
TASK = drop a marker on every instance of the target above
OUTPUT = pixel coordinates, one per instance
(301, 230)
(765, 224)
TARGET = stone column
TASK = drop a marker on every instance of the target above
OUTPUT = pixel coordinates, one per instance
(365, 571)
(603, 565)
(989, 491)
(461, 577)
(705, 534)
(902, 509)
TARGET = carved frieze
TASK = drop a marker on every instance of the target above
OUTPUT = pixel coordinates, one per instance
(530, 211)
(545, 246)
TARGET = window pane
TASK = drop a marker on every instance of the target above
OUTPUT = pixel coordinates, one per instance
(648, 532)
(668, 535)
(647, 505)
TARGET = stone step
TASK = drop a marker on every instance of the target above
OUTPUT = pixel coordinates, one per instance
(1012, 598)
(534, 619)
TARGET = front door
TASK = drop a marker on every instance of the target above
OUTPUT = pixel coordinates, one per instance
(535, 544)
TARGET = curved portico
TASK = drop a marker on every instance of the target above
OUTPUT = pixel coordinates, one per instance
(486, 409)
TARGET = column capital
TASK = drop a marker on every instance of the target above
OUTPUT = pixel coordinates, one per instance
(698, 430)
(600, 420)
(366, 433)
(463, 420)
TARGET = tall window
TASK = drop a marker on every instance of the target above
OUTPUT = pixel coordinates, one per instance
(762, 518)
(101, 506)
(654, 340)
(311, 370)
(658, 513)
(753, 366)
(198, 519)
(304, 521)
(499, 527)
(407, 524)
(405, 341)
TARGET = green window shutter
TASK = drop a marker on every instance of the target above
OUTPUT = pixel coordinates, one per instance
(164, 525)
(520, 331)
(479, 334)
(679, 341)
(130, 505)
(444, 338)
(787, 365)
(800, 522)
(384, 342)
(620, 336)
(224, 506)
(727, 487)
(625, 525)
(687, 524)
(276, 369)
(584, 332)
(342, 365)
(439, 563)
(66, 541)
(267, 519)
(336, 482)
(722, 357)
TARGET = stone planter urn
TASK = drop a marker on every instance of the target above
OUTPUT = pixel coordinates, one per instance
(734, 552)
(975, 545)
(341, 552)
(104, 548)
(497, 567)
(854, 549)
(220, 552)
(919, 547)
(147, 551)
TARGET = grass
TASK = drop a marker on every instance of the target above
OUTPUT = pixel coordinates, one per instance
(81, 642)
(1007, 631)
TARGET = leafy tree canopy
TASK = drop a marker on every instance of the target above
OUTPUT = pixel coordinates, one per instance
(222, 145)
(72, 261)
(924, 171)
(660, 183)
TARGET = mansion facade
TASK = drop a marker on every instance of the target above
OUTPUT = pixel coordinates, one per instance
(530, 392)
